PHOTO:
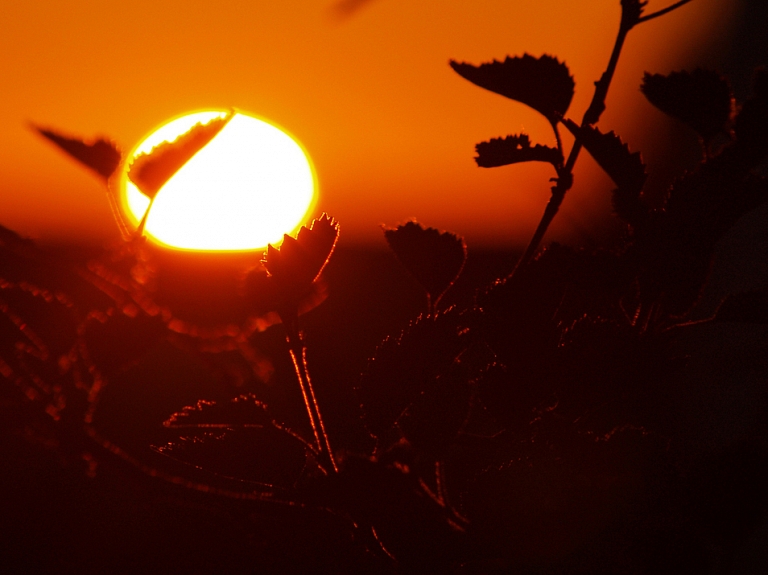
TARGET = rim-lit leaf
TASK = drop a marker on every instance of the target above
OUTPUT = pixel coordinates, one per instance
(295, 266)
(702, 99)
(433, 421)
(150, 171)
(544, 83)
(513, 150)
(266, 455)
(100, 155)
(625, 168)
(435, 259)
(299, 261)
(243, 411)
(406, 366)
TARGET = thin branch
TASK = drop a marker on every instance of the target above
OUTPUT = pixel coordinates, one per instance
(299, 357)
(666, 10)
(558, 139)
(565, 175)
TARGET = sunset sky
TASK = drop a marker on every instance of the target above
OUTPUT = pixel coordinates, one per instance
(368, 92)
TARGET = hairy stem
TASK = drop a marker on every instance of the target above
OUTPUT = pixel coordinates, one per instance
(298, 353)
(143, 222)
(114, 206)
(565, 175)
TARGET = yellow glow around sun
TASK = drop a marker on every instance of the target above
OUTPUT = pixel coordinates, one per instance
(247, 187)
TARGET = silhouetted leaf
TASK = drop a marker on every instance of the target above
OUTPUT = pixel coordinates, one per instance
(751, 125)
(702, 99)
(679, 244)
(150, 171)
(544, 83)
(626, 169)
(298, 262)
(267, 455)
(243, 411)
(513, 150)
(435, 259)
(433, 421)
(101, 155)
(405, 366)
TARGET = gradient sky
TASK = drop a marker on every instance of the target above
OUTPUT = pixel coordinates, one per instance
(367, 90)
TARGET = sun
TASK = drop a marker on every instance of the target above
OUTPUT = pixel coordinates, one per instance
(249, 185)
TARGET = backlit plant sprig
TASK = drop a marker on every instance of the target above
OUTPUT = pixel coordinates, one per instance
(148, 171)
(293, 269)
(545, 84)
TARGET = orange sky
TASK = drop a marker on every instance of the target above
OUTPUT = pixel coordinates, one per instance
(390, 127)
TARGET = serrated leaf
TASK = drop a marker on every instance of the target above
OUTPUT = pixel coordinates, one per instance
(544, 83)
(243, 411)
(625, 168)
(150, 171)
(298, 262)
(513, 150)
(702, 99)
(405, 366)
(267, 455)
(100, 155)
(433, 421)
(434, 258)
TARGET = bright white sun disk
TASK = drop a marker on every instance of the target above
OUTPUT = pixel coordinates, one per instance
(247, 187)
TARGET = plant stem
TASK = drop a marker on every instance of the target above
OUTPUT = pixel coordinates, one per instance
(114, 206)
(666, 10)
(565, 175)
(298, 353)
(143, 222)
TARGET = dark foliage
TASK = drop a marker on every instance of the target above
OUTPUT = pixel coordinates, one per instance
(102, 155)
(513, 150)
(543, 83)
(570, 417)
(434, 258)
(701, 99)
(152, 170)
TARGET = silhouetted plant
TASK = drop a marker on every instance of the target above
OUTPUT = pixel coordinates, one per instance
(536, 429)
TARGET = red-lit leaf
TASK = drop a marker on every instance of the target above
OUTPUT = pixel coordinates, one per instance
(513, 150)
(243, 411)
(248, 445)
(267, 455)
(435, 259)
(544, 83)
(435, 418)
(625, 168)
(407, 366)
(298, 262)
(150, 171)
(701, 99)
(100, 155)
